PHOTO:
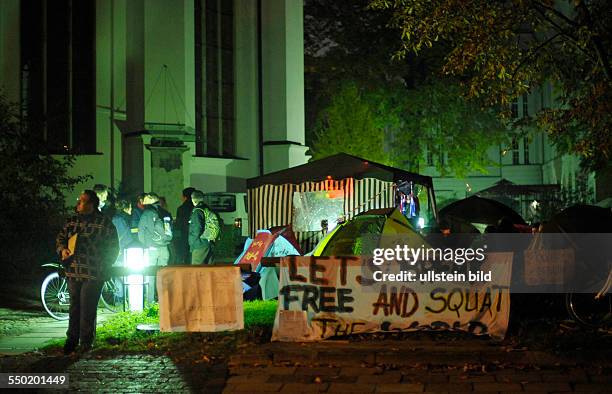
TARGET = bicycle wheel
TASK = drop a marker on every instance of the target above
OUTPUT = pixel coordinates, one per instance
(55, 297)
(589, 311)
(111, 296)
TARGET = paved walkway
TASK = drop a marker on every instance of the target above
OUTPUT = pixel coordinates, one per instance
(38, 335)
(415, 366)
(412, 365)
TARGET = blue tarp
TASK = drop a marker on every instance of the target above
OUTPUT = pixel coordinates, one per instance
(269, 275)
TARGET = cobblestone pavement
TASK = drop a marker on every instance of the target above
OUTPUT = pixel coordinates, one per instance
(357, 367)
(126, 373)
(415, 366)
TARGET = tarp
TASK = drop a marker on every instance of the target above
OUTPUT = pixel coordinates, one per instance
(200, 298)
(321, 297)
(476, 209)
(339, 166)
(506, 188)
(582, 218)
(273, 244)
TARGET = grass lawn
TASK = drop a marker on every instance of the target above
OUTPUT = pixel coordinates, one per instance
(120, 333)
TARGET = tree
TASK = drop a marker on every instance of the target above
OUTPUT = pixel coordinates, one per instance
(457, 133)
(362, 101)
(351, 124)
(397, 126)
(33, 183)
(347, 41)
(502, 49)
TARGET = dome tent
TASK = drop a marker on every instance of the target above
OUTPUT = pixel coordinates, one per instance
(350, 238)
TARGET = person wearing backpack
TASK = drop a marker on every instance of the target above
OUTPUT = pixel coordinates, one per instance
(155, 234)
(155, 230)
(204, 230)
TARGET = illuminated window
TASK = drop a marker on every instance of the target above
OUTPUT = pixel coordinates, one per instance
(525, 105)
(515, 151)
(514, 109)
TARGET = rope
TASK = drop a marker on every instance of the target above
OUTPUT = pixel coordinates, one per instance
(173, 84)
(165, 90)
(154, 86)
(351, 212)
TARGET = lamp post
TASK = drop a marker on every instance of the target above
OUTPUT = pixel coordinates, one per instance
(136, 259)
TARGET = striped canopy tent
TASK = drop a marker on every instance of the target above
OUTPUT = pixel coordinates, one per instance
(364, 184)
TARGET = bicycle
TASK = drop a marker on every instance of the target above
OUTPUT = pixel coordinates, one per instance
(591, 310)
(56, 299)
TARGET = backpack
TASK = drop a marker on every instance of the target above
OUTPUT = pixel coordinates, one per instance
(162, 229)
(212, 224)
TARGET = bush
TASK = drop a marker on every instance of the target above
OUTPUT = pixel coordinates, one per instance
(33, 183)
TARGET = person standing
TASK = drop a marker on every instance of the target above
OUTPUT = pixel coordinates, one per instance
(88, 246)
(155, 230)
(137, 211)
(181, 228)
(122, 220)
(204, 230)
(155, 234)
(106, 202)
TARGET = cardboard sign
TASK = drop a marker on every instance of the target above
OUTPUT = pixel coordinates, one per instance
(200, 298)
(549, 266)
(321, 297)
(261, 243)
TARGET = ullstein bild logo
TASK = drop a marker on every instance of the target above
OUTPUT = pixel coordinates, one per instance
(431, 276)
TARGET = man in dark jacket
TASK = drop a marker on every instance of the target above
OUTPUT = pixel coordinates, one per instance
(106, 201)
(155, 234)
(181, 228)
(88, 247)
(155, 230)
(204, 229)
(122, 220)
(137, 211)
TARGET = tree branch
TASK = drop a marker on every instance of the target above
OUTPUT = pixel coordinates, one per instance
(602, 54)
(559, 14)
(532, 52)
(565, 33)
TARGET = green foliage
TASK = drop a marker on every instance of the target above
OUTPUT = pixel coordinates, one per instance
(347, 40)
(502, 49)
(444, 123)
(122, 326)
(259, 313)
(396, 126)
(33, 183)
(119, 332)
(362, 101)
(350, 124)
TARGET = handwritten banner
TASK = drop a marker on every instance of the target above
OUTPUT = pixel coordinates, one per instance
(323, 297)
(200, 298)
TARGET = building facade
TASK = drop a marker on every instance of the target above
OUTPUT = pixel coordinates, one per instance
(160, 94)
(530, 161)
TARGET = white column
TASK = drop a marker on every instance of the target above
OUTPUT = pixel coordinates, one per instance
(283, 84)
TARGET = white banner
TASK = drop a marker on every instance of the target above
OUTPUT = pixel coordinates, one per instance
(200, 298)
(322, 297)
